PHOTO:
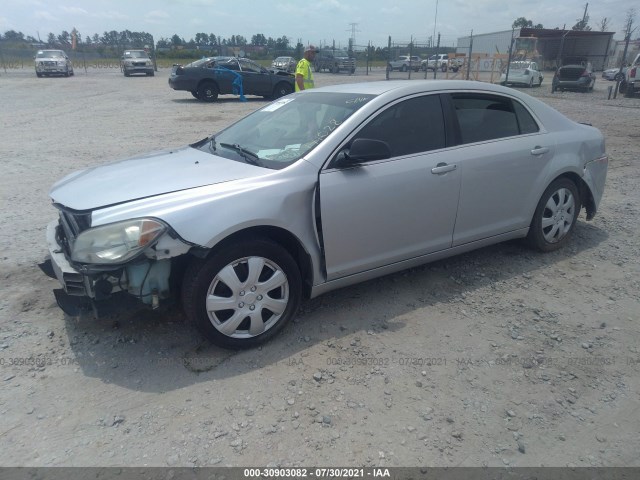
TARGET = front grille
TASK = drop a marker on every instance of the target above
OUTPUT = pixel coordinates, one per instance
(70, 225)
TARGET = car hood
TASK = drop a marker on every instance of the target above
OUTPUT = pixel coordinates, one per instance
(146, 176)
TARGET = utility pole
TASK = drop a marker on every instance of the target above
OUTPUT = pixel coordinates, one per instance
(506, 80)
(353, 31)
(470, 50)
(435, 69)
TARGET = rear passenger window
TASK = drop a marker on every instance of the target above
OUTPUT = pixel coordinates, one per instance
(489, 117)
(411, 126)
(525, 120)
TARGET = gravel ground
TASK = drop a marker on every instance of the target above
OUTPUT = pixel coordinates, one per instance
(502, 356)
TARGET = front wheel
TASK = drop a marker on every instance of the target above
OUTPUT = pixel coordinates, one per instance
(555, 216)
(243, 295)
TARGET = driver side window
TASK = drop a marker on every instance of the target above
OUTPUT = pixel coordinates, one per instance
(412, 126)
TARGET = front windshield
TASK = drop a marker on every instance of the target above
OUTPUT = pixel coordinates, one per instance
(284, 131)
(50, 54)
(135, 55)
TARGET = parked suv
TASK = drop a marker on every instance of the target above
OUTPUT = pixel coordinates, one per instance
(53, 62)
(334, 60)
(404, 63)
(136, 61)
(442, 61)
(631, 83)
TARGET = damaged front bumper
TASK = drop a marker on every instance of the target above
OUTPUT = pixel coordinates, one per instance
(104, 290)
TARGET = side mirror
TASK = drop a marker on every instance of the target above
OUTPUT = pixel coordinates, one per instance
(362, 150)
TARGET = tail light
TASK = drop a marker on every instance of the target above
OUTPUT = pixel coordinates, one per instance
(585, 74)
(633, 72)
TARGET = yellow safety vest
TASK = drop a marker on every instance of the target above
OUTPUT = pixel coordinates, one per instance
(304, 68)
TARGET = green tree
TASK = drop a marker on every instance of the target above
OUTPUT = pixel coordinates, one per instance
(202, 39)
(64, 38)
(259, 39)
(51, 40)
(522, 22)
(13, 36)
(176, 40)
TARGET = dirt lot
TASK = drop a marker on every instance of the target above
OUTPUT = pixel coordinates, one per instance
(499, 357)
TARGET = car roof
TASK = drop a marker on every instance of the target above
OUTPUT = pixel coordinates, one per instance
(403, 87)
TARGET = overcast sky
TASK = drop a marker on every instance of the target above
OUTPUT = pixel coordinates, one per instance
(319, 21)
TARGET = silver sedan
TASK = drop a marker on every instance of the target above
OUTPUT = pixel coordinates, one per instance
(319, 190)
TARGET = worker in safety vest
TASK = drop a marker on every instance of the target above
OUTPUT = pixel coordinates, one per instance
(304, 75)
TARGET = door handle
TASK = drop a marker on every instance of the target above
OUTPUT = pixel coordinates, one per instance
(537, 150)
(442, 168)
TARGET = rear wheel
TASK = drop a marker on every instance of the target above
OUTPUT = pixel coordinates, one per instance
(531, 82)
(404, 68)
(281, 90)
(195, 94)
(623, 86)
(244, 295)
(208, 92)
(555, 216)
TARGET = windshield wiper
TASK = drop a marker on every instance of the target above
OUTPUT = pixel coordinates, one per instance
(248, 155)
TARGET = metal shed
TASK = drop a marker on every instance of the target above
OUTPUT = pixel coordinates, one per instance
(554, 47)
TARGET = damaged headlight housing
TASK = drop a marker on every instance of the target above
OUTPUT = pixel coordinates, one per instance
(117, 242)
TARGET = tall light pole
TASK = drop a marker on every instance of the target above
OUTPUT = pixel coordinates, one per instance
(435, 21)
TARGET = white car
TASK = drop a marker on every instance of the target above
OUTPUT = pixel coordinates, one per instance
(522, 73)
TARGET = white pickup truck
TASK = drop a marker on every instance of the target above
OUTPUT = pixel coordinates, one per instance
(631, 83)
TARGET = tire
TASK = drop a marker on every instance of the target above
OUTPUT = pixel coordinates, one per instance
(207, 91)
(281, 90)
(353, 70)
(252, 284)
(403, 68)
(555, 217)
(623, 86)
(126, 74)
(316, 67)
(629, 91)
(443, 68)
(618, 77)
(540, 82)
(39, 75)
(66, 73)
(531, 82)
(151, 74)
(335, 69)
(195, 95)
